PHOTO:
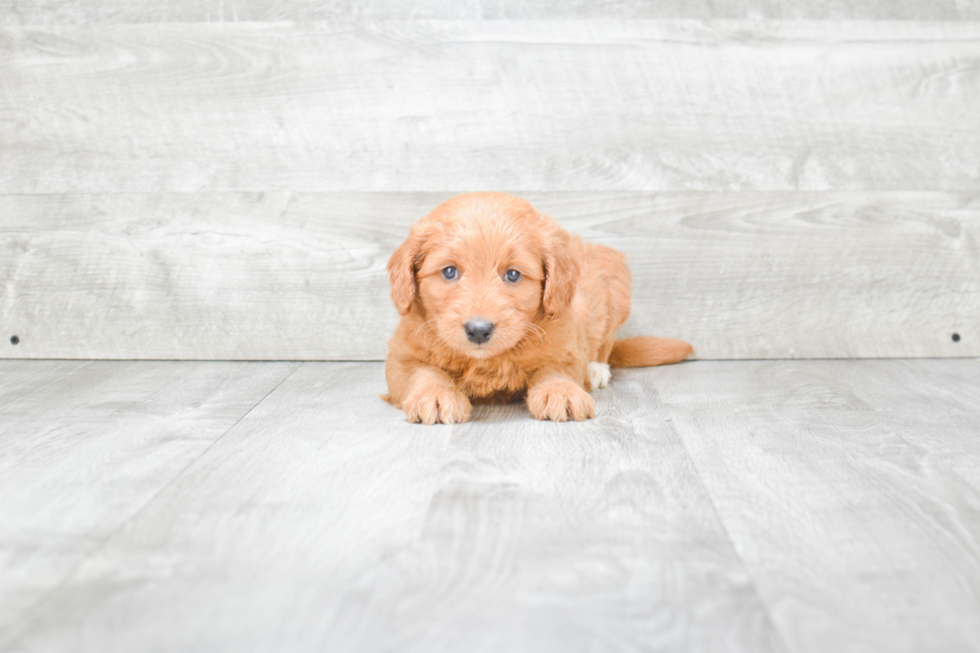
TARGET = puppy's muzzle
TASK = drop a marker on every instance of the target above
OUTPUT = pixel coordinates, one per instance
(478, 331)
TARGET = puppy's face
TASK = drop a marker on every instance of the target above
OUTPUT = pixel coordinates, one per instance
(481, 270)
(480, 289)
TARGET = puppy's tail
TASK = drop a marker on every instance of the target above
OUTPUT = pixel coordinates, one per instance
(645, 351)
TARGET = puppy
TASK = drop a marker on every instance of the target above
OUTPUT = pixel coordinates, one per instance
(498, 302)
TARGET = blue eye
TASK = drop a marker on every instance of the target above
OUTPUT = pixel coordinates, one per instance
(513, 276)
(449, 273)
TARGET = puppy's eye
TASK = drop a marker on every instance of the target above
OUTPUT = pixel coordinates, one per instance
(449, 273)
(513, 276)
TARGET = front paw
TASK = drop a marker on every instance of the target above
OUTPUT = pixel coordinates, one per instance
(431, 405)
(560, 401)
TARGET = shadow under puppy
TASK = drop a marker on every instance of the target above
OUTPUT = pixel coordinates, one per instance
(499, 302)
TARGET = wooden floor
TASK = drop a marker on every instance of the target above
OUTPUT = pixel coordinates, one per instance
(712, 506)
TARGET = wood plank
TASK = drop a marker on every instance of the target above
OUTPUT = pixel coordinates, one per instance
(857, 539)
(324, 521)
(84, 446)
(934, 405)
(46, 12)
(624, 104)
(301, 276)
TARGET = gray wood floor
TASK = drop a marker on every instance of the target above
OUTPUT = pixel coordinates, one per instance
(712, 506)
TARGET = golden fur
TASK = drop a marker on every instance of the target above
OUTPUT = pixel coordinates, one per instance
(561, 314)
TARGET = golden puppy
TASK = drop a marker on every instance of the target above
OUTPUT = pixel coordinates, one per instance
(498, 302)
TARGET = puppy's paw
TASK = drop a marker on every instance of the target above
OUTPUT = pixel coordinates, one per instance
(560, 400)
(599, 374)
(440, 404)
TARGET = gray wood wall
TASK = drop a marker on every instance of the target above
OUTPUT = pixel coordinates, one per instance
(227, 180)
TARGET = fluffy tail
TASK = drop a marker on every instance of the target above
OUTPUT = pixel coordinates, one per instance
(645, 351)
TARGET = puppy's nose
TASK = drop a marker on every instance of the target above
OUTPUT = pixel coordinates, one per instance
(478, 331)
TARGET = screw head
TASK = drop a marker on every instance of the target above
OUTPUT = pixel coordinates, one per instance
(956, 337)
(14, 340)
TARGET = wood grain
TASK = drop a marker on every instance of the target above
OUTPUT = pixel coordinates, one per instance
(47, 12)
(324, 521)
(619, 104)
(301, 276)
(932, 405)
(844, 516)
(85, 446)
(712, 506)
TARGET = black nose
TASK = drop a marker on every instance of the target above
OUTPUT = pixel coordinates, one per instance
(478, 331)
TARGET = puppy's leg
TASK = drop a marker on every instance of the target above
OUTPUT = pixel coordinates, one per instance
(599, 373)
(603, 354)
(552, 394)
(426, 394)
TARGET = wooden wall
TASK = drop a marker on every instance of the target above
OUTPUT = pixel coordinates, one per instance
(227, 180)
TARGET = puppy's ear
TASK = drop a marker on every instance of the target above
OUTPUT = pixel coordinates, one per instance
(560, 276)
(401, 272)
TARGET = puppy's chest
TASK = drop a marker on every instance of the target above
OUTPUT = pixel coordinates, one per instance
(492, 380)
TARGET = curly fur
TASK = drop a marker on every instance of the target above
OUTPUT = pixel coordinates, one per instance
(561, 315)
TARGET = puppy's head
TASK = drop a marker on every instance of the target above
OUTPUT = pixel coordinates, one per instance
(482, 269)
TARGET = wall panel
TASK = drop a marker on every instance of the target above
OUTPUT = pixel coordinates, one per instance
(531, 106)
(301, 275)
(47, 12)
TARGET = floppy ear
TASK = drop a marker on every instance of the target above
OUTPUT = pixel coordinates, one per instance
(560, 277)
(401, 272)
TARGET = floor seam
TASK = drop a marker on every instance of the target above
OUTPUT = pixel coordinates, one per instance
(776, 631)
(29, 614)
